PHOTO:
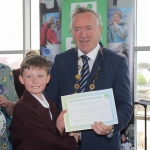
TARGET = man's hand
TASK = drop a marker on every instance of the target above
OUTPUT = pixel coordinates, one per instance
(75, 134)
(101, 129)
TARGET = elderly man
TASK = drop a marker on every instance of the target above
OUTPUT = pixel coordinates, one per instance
(106, 70)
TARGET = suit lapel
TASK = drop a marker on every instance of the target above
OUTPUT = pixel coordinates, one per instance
(73, 64)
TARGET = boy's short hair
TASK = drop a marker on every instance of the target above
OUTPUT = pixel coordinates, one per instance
(32, 52)
(34, 61)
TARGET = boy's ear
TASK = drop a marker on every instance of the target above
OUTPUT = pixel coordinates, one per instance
(21, 79)
(48, 78)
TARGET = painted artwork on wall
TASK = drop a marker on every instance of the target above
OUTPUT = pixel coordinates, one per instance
(50, 29)
(97, 5)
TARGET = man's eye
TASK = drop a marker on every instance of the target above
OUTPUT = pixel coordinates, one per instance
(77, 30)
(89, 28)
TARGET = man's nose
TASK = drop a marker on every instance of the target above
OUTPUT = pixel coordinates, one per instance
(83, 33)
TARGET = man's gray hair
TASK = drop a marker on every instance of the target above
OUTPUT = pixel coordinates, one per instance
(80, 10)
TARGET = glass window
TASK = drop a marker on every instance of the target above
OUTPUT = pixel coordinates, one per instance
(11, 29)
(141, 135)
(35, 29)
(143, 23)
(142, 72)
(143, 79)
(12, 60)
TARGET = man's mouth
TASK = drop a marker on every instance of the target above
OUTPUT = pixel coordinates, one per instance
(84, 42)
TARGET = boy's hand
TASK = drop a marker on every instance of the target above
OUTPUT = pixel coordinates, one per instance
(60, 122)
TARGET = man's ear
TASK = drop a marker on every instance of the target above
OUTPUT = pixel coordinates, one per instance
(21, 79)
(99, 31)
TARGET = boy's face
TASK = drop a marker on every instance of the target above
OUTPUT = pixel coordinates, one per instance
(35, 80)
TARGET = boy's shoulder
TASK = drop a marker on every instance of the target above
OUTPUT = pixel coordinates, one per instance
(51, 102)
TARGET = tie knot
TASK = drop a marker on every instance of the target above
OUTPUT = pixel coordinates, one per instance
(85, 58)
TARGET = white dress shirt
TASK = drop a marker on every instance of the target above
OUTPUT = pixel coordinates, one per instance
(92, 55)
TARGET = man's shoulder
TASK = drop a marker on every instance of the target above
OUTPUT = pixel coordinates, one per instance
(107, 51)
(112, 57)
(67, 53)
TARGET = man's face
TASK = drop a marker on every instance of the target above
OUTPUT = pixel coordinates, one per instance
(85, 31)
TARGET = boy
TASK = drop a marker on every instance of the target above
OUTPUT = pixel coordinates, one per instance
(16, 72)
(34, 125)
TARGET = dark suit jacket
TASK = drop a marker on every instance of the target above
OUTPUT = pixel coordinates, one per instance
(18, 85)
(113, 74)
(32, 128)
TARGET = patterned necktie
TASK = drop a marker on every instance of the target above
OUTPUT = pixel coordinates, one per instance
(84, 72)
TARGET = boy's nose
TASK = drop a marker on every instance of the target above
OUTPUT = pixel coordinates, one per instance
(35, 80)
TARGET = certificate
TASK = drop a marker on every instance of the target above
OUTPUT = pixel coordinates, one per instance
(83, 109)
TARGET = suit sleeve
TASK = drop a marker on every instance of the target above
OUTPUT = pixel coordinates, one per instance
(31, 129)
(122, 95)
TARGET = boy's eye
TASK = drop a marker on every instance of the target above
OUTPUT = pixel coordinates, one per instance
(40, 76)
(28, 76)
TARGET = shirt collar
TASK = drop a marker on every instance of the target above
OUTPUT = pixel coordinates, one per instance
(92, 55)
(43, 102)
